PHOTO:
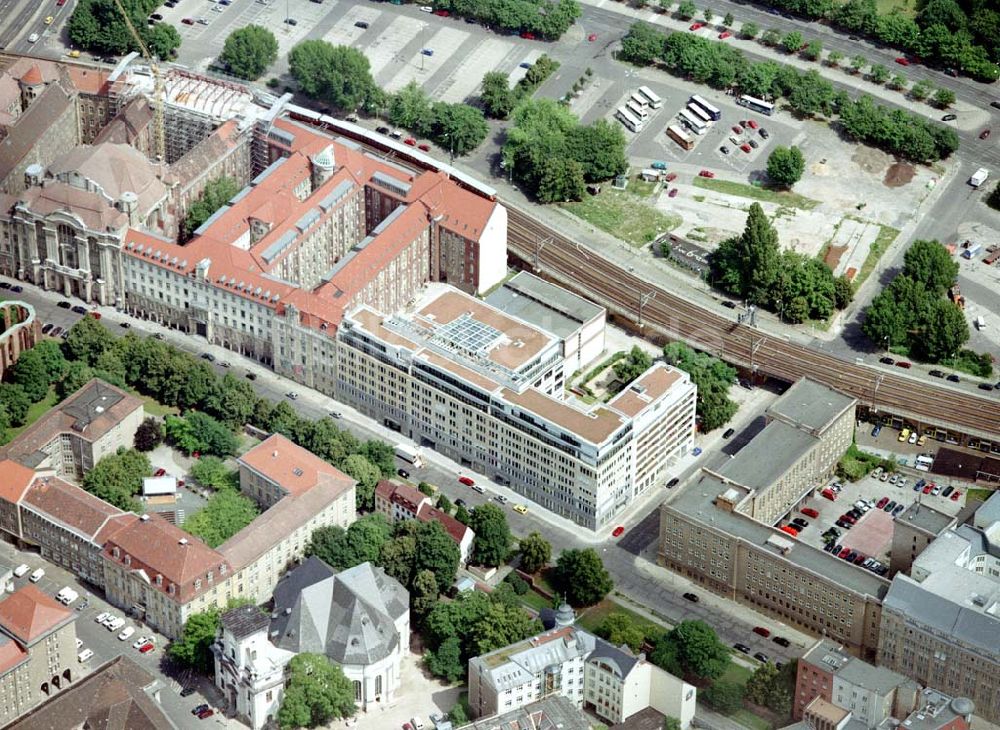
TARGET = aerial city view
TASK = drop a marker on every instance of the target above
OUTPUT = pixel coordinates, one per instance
(500, 364)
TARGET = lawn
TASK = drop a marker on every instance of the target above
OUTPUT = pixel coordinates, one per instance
(153, 407)
(535, 601)
(886, 235)
(905, 7)
(750, 720)
(767, 195)
(36, 411)
(590, 619)
(624, 215)
(981, 494)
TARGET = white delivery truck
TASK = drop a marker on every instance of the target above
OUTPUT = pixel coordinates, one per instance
(979, 177)
(980, 323)
(410, 454)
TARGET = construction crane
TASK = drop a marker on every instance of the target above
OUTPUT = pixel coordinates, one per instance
(160, 138)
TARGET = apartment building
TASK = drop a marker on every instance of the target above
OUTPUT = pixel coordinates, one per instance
(398, 501)
(299, 493)
(77, 433)
(871, 694)
(37, 650)
(487, 389)
(939, 623)
(612, 683)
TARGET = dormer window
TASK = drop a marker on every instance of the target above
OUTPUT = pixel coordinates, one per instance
(159, 581)
(172, 589)
(197, 584)
(116, 552)
(222, 570)
(211, 576)
(128, 560)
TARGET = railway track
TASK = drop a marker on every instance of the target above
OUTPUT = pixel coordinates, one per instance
(652, 308)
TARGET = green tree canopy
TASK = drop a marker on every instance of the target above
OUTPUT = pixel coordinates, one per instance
(713, 378)
(118, 477)
(226, 513)
(367, 476)
(340, 75)
(14, 402)
(30, 373)
(492, 542)
(361, 542)
(316, 692)
(87, 340)
(535, 552)
(249, 50)
(149, 435)
(200, 432)
(411, 108)
(785, 165)
(217, 193)
(211, 471)
(725, 697)
(496, 95)
(930, 263)
(458, 128)
(749, 266)
(194, 646)
(582, 578)
(643, 43)
(699, 650)
(619, 628)
(98, 26)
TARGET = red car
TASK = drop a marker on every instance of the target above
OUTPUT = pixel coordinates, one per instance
(187, 21)
(528, 36)
(903, 364)
(724, 35)
(592, 37)
(95, 315)
(424, 146)
(467, 481)
(672, 193)
(844, 553)
(752, 124)
(706, 173)
(902, 61)
(789, 530)
(849, 519)
(618, 531)
(146, 648)
(737, 129)
(160, 472)
(442, 13)
(745, 148)
(829, 494)
(60, 3)
(696, 26)
(955, 495)
(928, 488)
(410, 141)
(206, 713)
(761, 631)
(671, 176)
(810, 512)
(882, 503)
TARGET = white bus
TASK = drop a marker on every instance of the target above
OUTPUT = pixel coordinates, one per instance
(700, 113)
(654, 100)
(712, 111)
(677, 135)
(638, 111)
(410, 454)
(639, 100)
(629, 120)
(693, 123)
(758, 105)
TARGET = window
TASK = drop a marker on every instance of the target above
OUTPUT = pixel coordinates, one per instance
(357, 690)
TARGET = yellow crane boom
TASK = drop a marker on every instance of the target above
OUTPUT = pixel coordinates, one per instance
(159, 139)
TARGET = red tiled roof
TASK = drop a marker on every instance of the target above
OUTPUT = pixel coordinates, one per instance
(157, 547)
(293, 468)
(453, 527)
(33, 76)
(402, 494)
(69, 505)
(28, 614)
(15, 482)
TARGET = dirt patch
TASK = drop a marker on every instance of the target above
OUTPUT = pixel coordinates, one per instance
(899, 174)
(832, 258)
(869, 159)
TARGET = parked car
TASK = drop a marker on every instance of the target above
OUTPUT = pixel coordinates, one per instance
(904, 364)
(126, 633)
(764, 133)
(953, 378)
(37, 575)
(21, 570)
(403, 473)
(673, 193)
(658, 165)
(742, 648)
(887, 361)
(691, 597)
(696, 26)
(467, 481)
(761, 657)
(752, 124)
(948, 118)
(617, 531)
(955, 495)
(761, 631)
(902, 61)
(745, 148)
(809, 512)
(706, 173)
(882, 503)
(877, 430)
(728, 432)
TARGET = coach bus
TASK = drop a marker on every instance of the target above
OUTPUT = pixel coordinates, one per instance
(677, 135)
(712, 111)
(638, 111)
(654, 100)
(758, 105)
(629, 120)
(692, 122)
(700, 113)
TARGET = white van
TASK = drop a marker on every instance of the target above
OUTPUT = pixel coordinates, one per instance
(21, 570)
(37, 575)
(84, 655)
(417, 723)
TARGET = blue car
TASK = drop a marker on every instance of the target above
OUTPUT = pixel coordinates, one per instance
(697, 451)
(876, 431)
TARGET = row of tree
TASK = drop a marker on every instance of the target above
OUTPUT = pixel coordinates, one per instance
(752, 266)
(912, 312)
(553, 156)
(943, 31)
(341, 76)
(807, 94)
(98, 26)
(499, 99)
(547, 19)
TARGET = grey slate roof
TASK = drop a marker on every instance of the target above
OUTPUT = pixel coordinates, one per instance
(810, 405)
(551, 713)
(350, 616)
(244, 621)
(768, 456)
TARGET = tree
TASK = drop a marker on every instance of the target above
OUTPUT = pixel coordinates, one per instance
(492, 542)
(813, 50)
(535, 551)
(561, 181)
(727, 22)
(193, 648)
(340, 75)
(761, 683)
(699, 650)
(930, 263)
(792, 41)
(14, 402)
(811, 94)
(149, 435)
(226, 513)
(200, 432)
(898, 82)
(249, 50)
(843, 292)
(879, 73)
(582, 578)
(31, 375)
(446, 661)
(671, 723)
(750, 264)
(993, 200)
(686, 9)
(437, 554)
(944, 98)
(749, 30)
(211, 471)
(117, 477)
(462, 515)
(444, 504)
(945, 330)
(785, 165)
(87, 340)
(361, 542)
(423, 595)
(217, 193)
(497, 98)
(712, 377)
(833, 58)
(458, 128)
(772, 37)
(316, 693)
(366, 475)
(52, 358)
(921, 90)
(858, 63)
(163, 40)
(632, 365)
(708, 15)
(600, 150)
(726, 697)
(619, 628)
(411, 108)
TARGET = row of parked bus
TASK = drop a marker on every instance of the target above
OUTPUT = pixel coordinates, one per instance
(635, 113)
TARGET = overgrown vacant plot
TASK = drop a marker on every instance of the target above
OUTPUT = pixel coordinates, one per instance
(782, 197)
(624, 215)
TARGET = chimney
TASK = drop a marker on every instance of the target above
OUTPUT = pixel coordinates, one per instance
(182, 541)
